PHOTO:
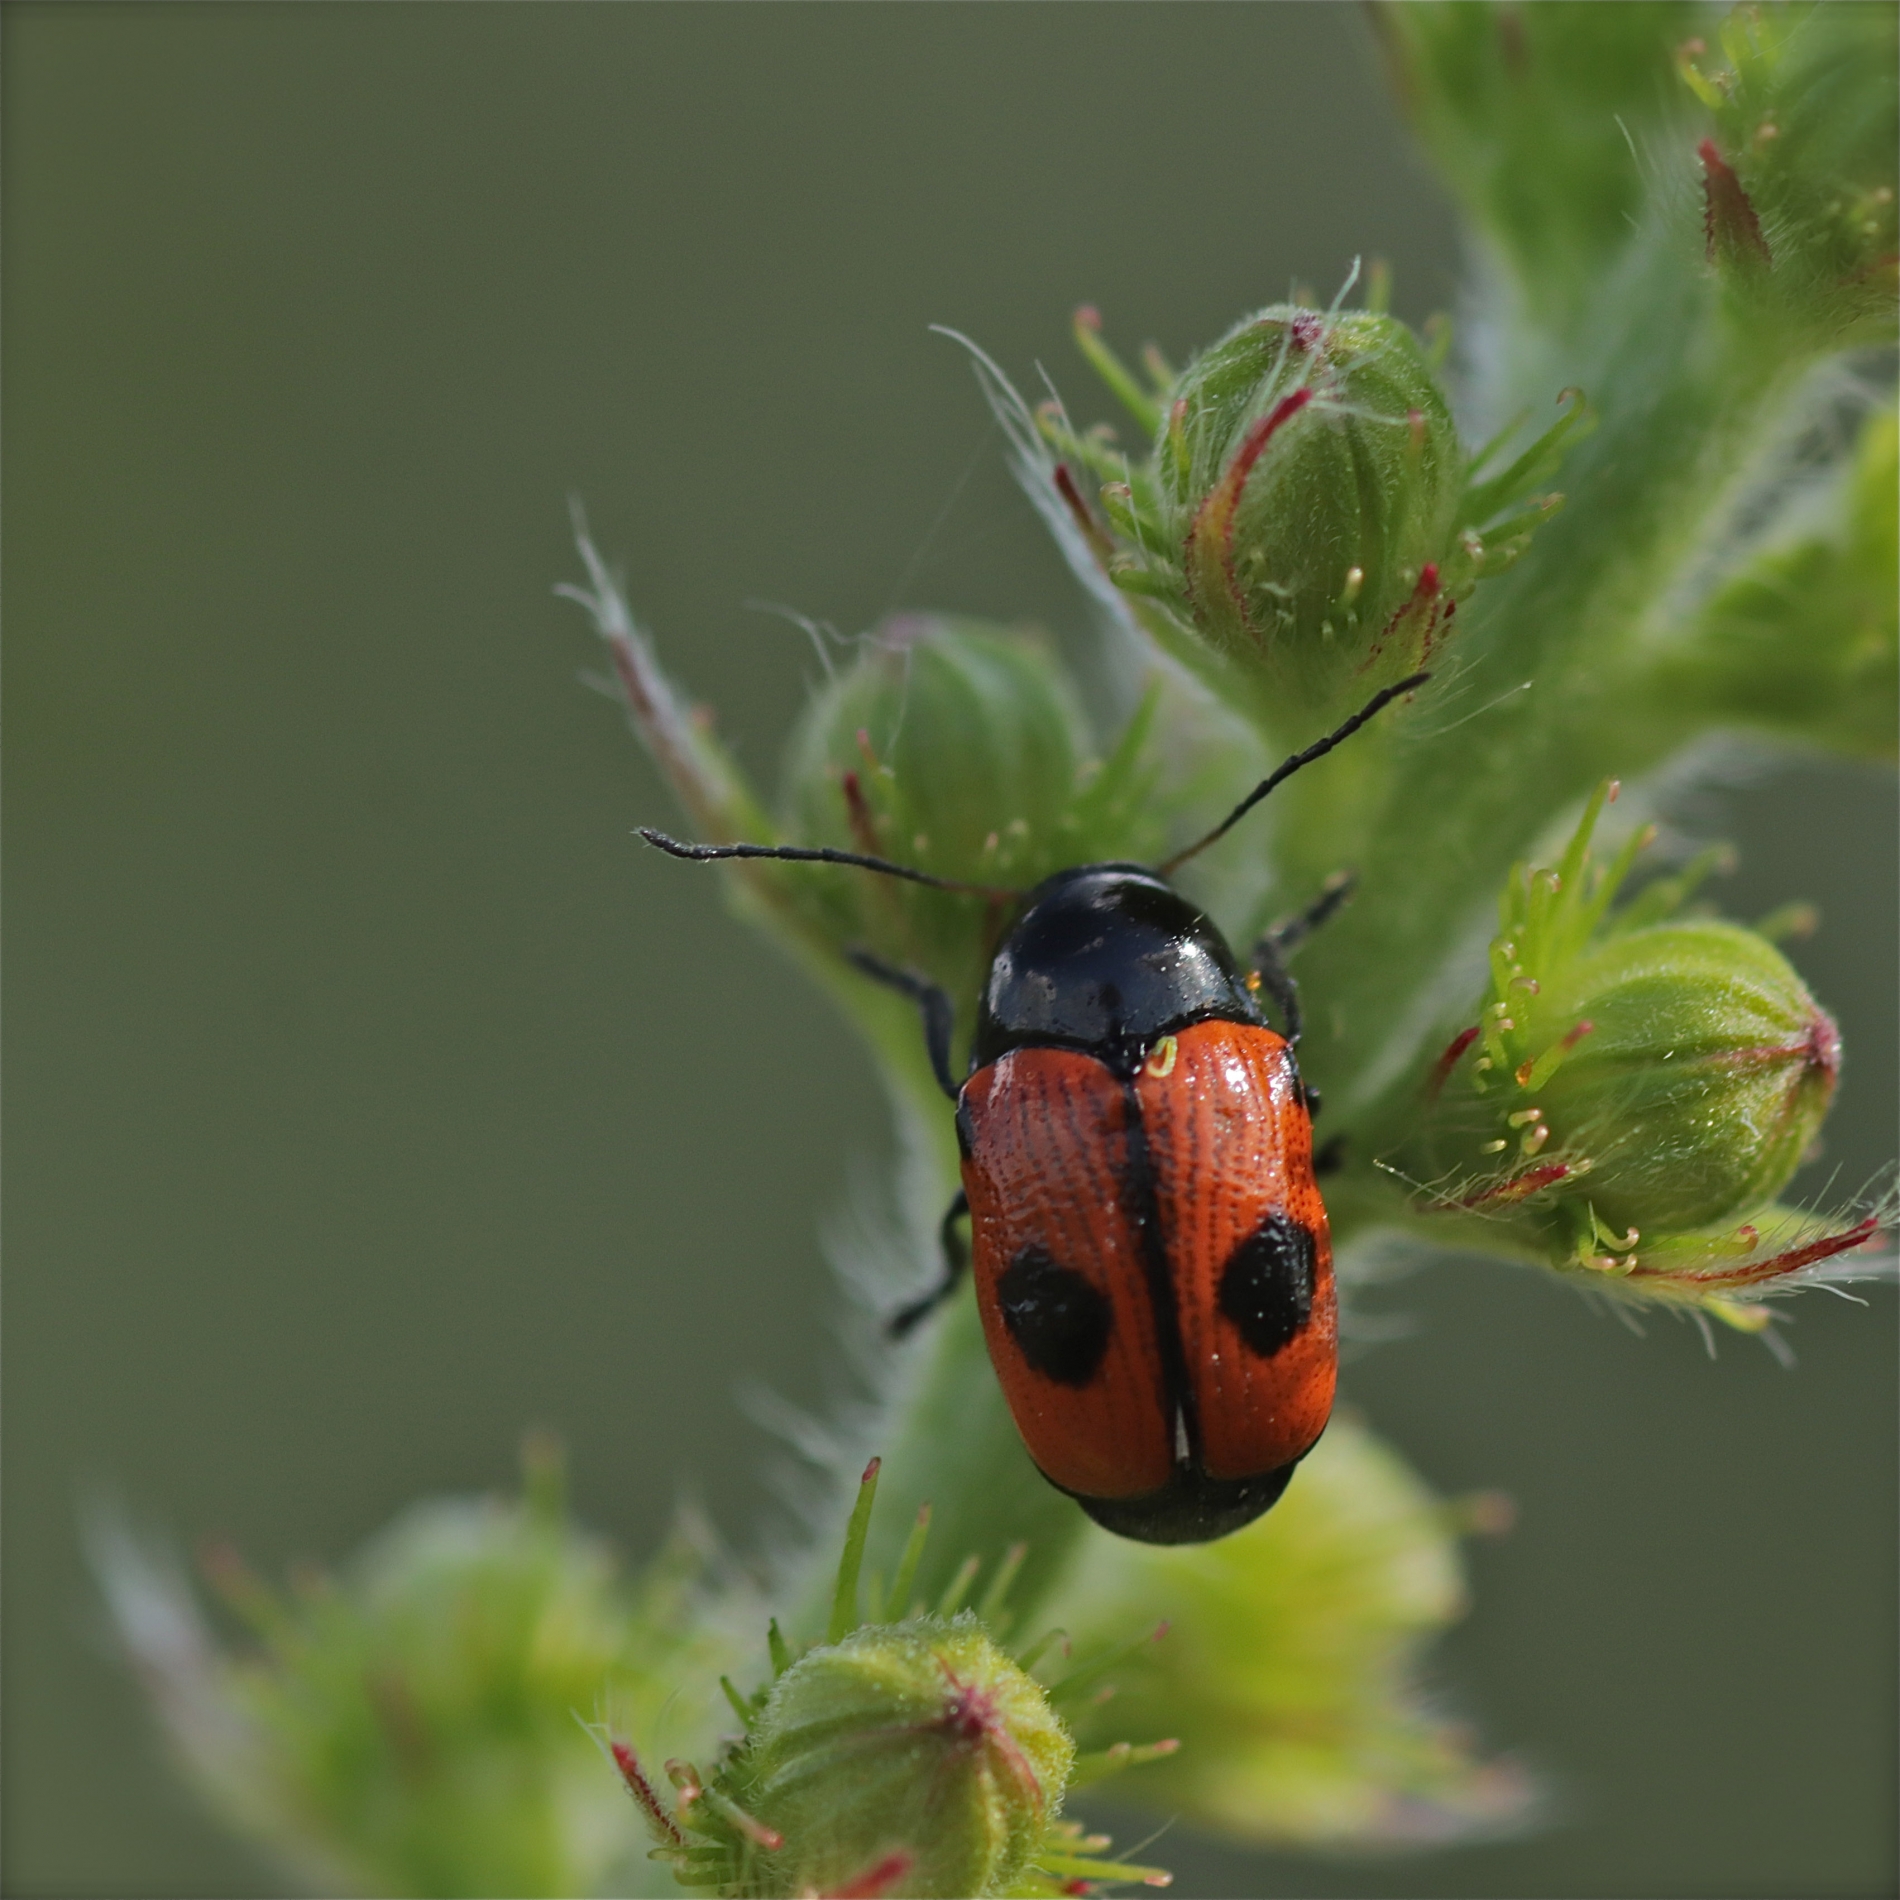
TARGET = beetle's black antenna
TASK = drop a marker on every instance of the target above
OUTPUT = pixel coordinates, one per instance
(1285, 770)
(820, 854)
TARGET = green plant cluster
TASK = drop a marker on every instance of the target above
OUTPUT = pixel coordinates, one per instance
(908, 1752)
(409, 1726)
(1647, 510)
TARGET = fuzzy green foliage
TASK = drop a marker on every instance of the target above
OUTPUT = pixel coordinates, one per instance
(1289, 1669)
(1803, 642)
(1530, 111)
(409, 1726)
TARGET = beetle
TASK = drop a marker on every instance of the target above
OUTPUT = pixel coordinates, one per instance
(1152, 1261)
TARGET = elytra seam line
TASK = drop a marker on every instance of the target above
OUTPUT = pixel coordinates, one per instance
(1142, 1203)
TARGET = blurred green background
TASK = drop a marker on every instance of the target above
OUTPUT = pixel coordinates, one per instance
(372, 1094)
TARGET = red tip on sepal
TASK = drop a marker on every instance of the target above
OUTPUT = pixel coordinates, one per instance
(643, 1793)
(1442, 1068)
(1729, 224)
(1776, 1266)
(1092, 530)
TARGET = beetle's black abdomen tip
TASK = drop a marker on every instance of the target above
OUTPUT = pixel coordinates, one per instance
(1106, 957)
(1191, 1508)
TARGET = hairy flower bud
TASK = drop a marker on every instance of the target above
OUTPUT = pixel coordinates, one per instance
(913, 1757)
(949, 744)
(921, 1739)
(1308, 521)
(1310, 474)
(957, 747)
(1632, 1079)
(1705, 1074)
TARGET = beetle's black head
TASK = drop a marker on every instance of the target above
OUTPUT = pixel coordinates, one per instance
(1105, 958)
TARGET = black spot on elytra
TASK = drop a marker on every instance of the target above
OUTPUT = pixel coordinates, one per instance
(1266, 1287)
(1058, 1319)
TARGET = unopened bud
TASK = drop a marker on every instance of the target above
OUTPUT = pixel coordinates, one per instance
(1632, 1079)
(1306, 524)
(949, 744)
(1311, 478)
(919, 1739)
(912, 1757)
(1705, 1073)
(955, 747)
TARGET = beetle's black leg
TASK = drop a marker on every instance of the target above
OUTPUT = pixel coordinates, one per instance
(938, 1011)
(1277, 980)
(1295, 930)
(939, 1019)
(956, 1260)
(1270, 953)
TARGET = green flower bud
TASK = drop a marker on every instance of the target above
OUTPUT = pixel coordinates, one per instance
(1633, 1081)
(1310, 475)
(921, 1739)
(1704, 1075)
(1291, 1665)
(1797, 178)
(908, 1757)
(942, 725)
(410, 1726)
(957, 747)
(950, 745)
(1307, 524)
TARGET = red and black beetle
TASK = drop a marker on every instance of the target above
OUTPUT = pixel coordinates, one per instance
(1153, 1267)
